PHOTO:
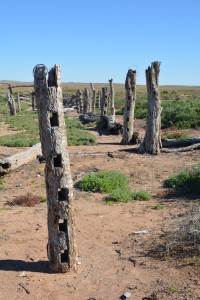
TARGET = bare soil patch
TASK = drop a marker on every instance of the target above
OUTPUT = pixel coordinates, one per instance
(113, 241)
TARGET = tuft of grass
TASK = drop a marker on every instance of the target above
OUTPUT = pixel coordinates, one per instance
(126, 194)
(43, 199)
(120, 195)
(182, 242)
(103, 182)
(1, 184)
(159, 206)
(188, 180)
(175, 134)
(141, 195)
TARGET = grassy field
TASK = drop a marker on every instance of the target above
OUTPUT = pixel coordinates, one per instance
(181, 109)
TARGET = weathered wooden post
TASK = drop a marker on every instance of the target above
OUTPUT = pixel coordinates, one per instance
(18, 103)
(104, 102)
(11, 101)
(33, 101)
(112, 99)
(86, 101)
(152, 141)
(78, 101)
(93, 98)
(61, 247)
(98, 102)
(130, 86)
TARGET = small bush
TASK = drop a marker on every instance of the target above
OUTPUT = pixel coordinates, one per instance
(125, 195)
(103, 182)
(188, 180)
(141, 195)
(120, 195)
(28, 200)
(159, 206)
(175, 134)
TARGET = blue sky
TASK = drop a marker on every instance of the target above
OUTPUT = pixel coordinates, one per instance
(101, 39)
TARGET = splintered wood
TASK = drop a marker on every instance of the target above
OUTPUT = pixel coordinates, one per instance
(61, 248)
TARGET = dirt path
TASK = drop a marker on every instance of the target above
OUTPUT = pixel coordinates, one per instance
(113, 258)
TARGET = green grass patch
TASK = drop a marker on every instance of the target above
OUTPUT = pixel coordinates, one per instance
(27, 122)
(159, 206)
(188, 180)
(103, 182)
(126, 194)
(175, 134)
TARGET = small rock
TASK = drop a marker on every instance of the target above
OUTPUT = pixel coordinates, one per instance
(140, 231)
(78, 263)
(22, 274)
(125, 296)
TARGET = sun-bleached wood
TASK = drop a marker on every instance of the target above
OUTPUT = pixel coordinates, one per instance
(17, 160)
(130, 87)
(61, 247)
(152, 141)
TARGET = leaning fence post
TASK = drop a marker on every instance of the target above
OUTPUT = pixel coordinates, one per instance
(61, 246)
(152, 141)
(130, 86)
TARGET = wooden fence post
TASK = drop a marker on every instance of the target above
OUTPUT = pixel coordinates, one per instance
(112, 99)
(18, 103)
(11, 101)
(98, 102)
(86, 101)
(152, 141)
(130, 86)
(94, 98)
(33, 101)
(61, 246)
(104, 102)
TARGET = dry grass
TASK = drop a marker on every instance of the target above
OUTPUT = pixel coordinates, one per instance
(28, 200)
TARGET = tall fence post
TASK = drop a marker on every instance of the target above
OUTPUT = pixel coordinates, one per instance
(104, 104)
(130, 86)
(86, 101)
(61, 246)
(152, 141)
(11, 101)
(98, 102)
(112, 99)
(93, 97)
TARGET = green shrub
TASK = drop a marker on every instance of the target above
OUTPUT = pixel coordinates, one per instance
(175, 134)
(103, 182)
(141, 195)
(181, 114)
(159, 206)
(120, 195)
(126, 194)
(188, 180)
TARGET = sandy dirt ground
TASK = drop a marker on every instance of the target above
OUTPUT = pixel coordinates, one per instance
(113, 257)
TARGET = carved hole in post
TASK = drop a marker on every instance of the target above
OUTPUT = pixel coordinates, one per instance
(128, 107)
(127, 119)
(57, 161)
(62, 225)
(129, 97)
(63, 256)
(54, 119)
(63, 194)
(127, 129)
